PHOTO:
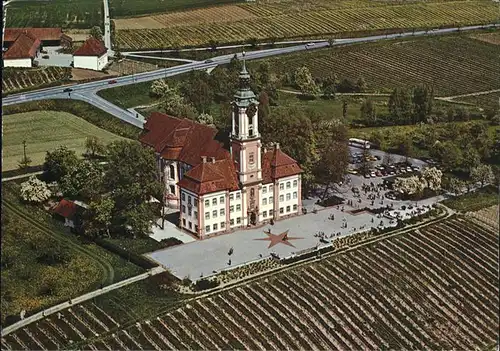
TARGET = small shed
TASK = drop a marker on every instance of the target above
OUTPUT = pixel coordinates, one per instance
(71, 212)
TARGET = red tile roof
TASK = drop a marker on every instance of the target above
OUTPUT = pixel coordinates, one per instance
(181, 139)
(65, 208)
(25, 46)
(209, 177)
(91, 47)
(47, 34)
(277, 164)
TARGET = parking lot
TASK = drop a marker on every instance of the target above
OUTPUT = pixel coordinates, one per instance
(50, 57)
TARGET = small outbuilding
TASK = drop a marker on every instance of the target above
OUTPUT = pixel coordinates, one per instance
(70, 211)
(91, 55)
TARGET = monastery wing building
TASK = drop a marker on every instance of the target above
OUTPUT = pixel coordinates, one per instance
(218, 190)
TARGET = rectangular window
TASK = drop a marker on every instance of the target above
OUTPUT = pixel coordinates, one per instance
(294, 183)
(221, 200)
(189, 200)
(196, 214)
(270, 188)
(214, 201)
(238, 196)
(282, 198)
(222, 212)
(190, 225)
(231, 221)
(231, 208)
(281, 209)
(264, 214)
(264, 201)
(222, 225)
(207, 203)
(184, 222)
(238, 220)
(238, 207)
(172, 189)
(190, 211)
(288, 196)
(183, 209)
(231, 197)
(251, 157)
(264, 190)
(282, 186)
(294, 194)
(196, 228)
(207, 215)
(270, 200)
(295, 207)
(183, 196)
(195, 202)
(288, 185)
(207, 229)
(215, 226)
(214, 214)
(287, 209)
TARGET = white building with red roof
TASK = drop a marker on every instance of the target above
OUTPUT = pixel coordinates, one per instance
(219, 190)
(22, 52)
(91, 55)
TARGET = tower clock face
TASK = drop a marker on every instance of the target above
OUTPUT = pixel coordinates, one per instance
(251, 110)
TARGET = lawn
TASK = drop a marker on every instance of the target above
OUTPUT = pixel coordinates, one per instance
(45, 131)
(44, 264)
(289, 19)
(474, 201)
(484, 101)
(55, 13)
(129, 95)
(452, 64)
(121, 8)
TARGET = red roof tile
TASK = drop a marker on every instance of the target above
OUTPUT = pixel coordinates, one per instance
(25, 46)
(91, 47)
(209, 177)
(42, 34)
(65, 208)
(277, 164)
(181, 139)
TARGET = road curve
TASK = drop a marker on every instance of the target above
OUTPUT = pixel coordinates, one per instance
(88, 91)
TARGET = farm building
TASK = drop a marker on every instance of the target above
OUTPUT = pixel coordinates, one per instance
(91, 55)
(217, 189)
(70, 211)
(22, 52)
(47, 36)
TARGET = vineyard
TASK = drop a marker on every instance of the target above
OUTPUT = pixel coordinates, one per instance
(484, 101)
(432, 288)
(452, 65)
(15, 79)
(55, 13)
(297, 20)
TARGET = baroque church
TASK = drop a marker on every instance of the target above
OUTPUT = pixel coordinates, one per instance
(219, 190)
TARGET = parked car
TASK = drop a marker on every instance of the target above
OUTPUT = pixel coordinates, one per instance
(310, 44)
(367, 175)
(112, 81)
(409, 169)
(67, 90)
(43, 51)
(352, 171)
(373, 175)
(378, 174)
(45, 56)
(209, 61)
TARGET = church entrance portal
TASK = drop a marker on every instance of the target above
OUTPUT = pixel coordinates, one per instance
(253, 218)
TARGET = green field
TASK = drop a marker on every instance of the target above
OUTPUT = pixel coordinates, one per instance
(453, 65)
(44, 131)
(55, 13)
(484, 101)
(121, 8)
(129, 95)
(267, 19)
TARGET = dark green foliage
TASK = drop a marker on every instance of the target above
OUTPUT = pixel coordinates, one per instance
(205, 284)
(59, 163)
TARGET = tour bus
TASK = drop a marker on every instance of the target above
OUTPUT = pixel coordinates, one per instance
(364, 144)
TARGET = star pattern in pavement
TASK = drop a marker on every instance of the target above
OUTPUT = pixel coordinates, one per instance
(276, 239)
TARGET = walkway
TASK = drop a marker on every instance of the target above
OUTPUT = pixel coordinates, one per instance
(82, 298)
(21, 176)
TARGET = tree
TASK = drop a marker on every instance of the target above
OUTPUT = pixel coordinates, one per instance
(160, 88)
(400, 106)
(344, 110)
(408, 185)
(368, 111)
(25, 161)
(34, 190)
(366, 164)
(264, 109)
(84, 180)
(471, 159)
(94, 146)
(432, 177)
(361, 85)
(305, 82)
(205, 118)
(482, 174)
(329, 86)
(405, 147)
(99, 216)
(423, 98)
(379, 139)
(448, 154)
(388, 159)
(59, 162)
(197, 92)
(346, 86)
(455, 186)
(96, 32)
(131, 180)
(332, 166)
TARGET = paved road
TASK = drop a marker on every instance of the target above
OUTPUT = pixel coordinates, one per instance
(107, 28)
(87, 91)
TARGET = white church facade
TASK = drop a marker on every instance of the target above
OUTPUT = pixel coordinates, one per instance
(218, 190)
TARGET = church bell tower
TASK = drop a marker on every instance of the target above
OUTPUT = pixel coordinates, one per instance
(246, 145)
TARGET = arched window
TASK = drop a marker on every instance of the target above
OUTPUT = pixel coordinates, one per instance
(252, 192)
(172, 172)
